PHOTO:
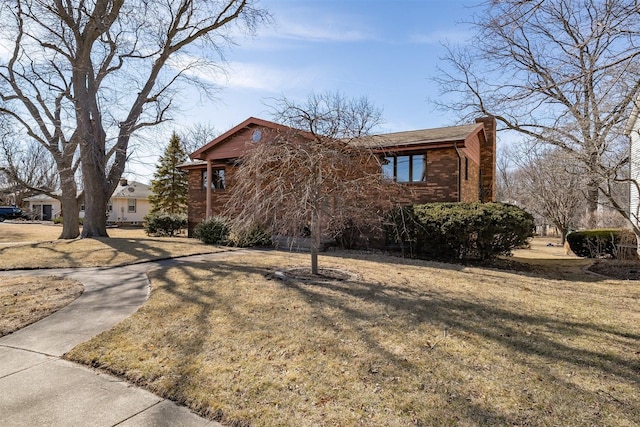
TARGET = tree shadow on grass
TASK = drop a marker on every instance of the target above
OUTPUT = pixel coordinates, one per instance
(99, 252)
(565, 270)
(345, 307)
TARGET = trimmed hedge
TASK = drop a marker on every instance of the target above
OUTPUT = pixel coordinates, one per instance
(213, 231)
(599, 243)
(163, 224)
(460, 231)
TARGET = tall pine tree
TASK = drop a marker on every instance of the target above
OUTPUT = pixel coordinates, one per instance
(169, 185)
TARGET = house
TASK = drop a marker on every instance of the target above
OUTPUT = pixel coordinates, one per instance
(449, 164)
(129, 203)
(42, 207)
(127, 206)
(632, 130)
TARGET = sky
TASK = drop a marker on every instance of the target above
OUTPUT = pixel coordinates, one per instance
(385, 50)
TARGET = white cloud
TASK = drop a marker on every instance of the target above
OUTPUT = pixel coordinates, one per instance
(245, 75)
(441, 36)
(326, 32)
(318, 24)
(267, 77)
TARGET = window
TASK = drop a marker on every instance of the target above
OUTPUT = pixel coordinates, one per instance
(217, 182)
(82, 207)
(466, 169)
(411, 168)
(131, 203)
(110, 207)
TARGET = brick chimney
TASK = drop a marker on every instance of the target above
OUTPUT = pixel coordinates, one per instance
(488, 160)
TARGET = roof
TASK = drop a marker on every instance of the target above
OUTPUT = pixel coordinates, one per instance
(251, 122)
(434, 138)
(41, 197)
(133, 190)
(192, 164)
(419, 137)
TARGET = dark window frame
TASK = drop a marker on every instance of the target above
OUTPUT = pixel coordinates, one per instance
(219, 179)
(393, 159)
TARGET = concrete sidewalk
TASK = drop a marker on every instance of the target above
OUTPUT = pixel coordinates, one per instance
(38, 388)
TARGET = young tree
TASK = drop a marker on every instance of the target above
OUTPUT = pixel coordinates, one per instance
(548, 183)
(170, 184)
(314, 175)
(563, 72)
(83, 77)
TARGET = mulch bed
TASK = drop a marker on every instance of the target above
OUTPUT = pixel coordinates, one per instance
(622, 270)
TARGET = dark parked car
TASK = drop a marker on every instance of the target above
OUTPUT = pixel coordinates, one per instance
(10, 212)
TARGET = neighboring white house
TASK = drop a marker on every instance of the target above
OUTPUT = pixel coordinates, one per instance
(633, 131)
(43, 207)
(128, 204)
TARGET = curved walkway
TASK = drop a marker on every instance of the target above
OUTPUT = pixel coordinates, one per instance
(39, 388)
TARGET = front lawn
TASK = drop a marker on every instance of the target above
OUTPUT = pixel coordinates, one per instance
(26, 246)
(25, 300)
(403, 342)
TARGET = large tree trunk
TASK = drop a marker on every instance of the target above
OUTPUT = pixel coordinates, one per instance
(592, 204)
(96, 193)
(563, 232)
(70, 207)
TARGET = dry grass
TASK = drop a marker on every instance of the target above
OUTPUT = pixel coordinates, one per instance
(25, 300)
(25, 246)
(404, 343)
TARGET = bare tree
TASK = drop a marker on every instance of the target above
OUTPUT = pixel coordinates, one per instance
(314, 175)
(563, 72)
(87, 75)
(197, 135)
(506, 190)
(28, 168)
(548, 183)
(25, 166)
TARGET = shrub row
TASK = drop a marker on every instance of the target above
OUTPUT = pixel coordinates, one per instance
(602, 243)
(459, 231)
(218, 231)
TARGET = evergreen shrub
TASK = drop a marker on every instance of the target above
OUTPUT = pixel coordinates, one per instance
(163, 224)
(213, 231)
(460, 231)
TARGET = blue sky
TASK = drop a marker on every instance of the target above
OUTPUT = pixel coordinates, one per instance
(383, 49)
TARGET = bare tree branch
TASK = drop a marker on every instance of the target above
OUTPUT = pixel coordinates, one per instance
(84, 77)
(312, 176)
(564, 72)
